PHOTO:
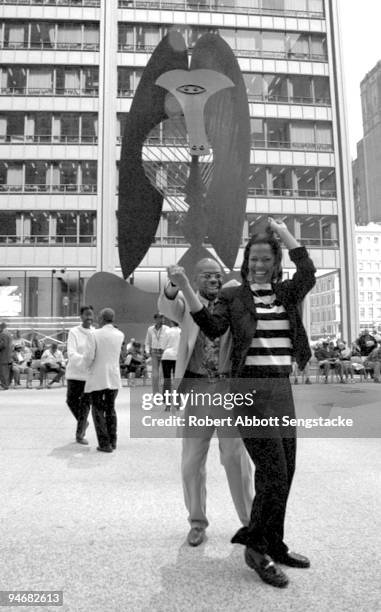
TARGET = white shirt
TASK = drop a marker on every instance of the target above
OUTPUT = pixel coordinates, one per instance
(80, 342)
(172, 344)
(156, 338)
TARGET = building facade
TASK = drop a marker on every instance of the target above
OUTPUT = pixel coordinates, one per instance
(366, 168)
(69, 70)
(368, 247)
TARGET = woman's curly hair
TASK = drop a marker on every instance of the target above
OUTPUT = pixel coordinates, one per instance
(265, 236)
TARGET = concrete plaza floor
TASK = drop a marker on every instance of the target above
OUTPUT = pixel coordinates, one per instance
(109, 529)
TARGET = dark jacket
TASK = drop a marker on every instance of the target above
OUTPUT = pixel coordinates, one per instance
(235, 308)
(5, 347)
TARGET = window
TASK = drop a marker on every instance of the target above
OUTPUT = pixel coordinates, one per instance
(7, 226)
(278, 133)
(254, 85)
(69, 127)
(42, 35)
(258, 180)
(306, 182)
(370, 297)
(327, 182)
(36, 175)
(322, 93)
(297, 45)
(39, 226)
(247, 40)
(126, 36)
(258, 132)
(301, 89)
(273, 43)
(361, 296)
(67, 223)
(276, 88)
(302, 134)
(15, 35)
(281, 178)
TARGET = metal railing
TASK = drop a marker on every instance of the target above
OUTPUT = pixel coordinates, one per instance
(169, 141)
(211, 5)
(46, 139)
(52, 46)
(48, 240)
(291, 55)
(42, 188)
(290, 144)
(94, 3)
(48, 91)
(292, 193)
(303, 100)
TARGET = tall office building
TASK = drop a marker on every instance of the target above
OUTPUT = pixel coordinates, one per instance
(69, 69)
(366, 168)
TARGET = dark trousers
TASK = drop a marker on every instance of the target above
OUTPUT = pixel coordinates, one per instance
(79, 404)
(168, 366)
(104, 416)
(273, 452)
(5, 374)
(48, 367)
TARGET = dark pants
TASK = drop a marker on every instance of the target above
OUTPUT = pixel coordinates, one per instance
(79, 404)
(168, 366)
(104, 416)
(48, 367)
(273, 452)
(5, 374)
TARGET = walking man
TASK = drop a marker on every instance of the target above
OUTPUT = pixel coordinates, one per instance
(80, 342)
(103, 381)
(202, 365)
(5, 356)
(156, 340)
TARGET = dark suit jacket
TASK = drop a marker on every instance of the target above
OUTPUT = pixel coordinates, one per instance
(5, 347)
(235, 308)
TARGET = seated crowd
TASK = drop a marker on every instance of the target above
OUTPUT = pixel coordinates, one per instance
(37, 358)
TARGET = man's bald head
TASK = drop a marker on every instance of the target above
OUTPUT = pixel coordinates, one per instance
(208, 278)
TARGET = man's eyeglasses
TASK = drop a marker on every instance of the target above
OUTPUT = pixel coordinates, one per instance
(210, 275)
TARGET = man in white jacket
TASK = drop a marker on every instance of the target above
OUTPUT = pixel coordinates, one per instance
(80, 342)
(104, 381)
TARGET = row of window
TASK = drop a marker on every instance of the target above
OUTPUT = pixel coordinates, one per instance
(84, 80)
(65, 128)
(48, 176)
(49, 80)
(73, 35)
(323, 315)
(36, 227)
(367, 239)
(370, 266)
(245, 42)
(322, 300)
(170, 177)
(370, 282)
(279, 88)
(370, 313)
(284, 181)
(94, 3)
(315, 8)
(370, 296)
(69, 128)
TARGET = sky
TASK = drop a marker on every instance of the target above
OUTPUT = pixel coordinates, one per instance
(361, 38)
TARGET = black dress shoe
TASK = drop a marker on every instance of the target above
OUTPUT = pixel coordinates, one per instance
(81, 441)
(265, 567)
(104, 449)
(196, 536)
(291, 559)
(240, 537)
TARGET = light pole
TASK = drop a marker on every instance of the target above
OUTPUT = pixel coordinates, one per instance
(51, 292)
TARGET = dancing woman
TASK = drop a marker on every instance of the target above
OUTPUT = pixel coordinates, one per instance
(263, 314)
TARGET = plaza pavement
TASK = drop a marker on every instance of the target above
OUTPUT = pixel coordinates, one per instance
(109, 529)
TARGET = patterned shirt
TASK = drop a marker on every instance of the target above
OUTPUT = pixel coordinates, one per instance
(271, 348)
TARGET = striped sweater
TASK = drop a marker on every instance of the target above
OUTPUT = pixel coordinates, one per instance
(271, 347)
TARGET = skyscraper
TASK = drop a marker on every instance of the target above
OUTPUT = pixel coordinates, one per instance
(69, 70)
(366, 168)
